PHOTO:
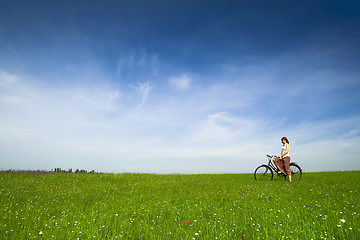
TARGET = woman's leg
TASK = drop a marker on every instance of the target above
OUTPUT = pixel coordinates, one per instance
(287, 170)
(277, 163)
(280, 164)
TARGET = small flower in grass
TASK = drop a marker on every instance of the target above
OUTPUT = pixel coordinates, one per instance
(342, 220)
(241, 194)
(40, 232)
(185, 221)
(7, 230)
(243, 235)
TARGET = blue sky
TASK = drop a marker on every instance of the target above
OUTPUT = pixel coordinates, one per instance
(178, 86)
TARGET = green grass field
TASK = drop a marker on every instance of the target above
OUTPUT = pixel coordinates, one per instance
(150, 206)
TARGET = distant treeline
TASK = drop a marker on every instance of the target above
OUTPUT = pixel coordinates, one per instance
(59, 170)
(56, 170)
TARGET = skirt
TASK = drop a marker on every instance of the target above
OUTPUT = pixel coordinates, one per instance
(283, 165)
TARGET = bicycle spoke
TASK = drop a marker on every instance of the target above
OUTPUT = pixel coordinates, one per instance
(263, 173)
(296, 171)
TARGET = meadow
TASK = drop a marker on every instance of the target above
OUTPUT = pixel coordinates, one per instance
(205, 206)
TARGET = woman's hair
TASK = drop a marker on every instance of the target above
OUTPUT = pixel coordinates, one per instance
(284, 138)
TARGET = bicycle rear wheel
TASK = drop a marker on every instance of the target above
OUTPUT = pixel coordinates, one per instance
(263, 173)
(296, 172)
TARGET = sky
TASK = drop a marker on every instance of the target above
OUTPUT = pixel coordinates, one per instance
(190, 87)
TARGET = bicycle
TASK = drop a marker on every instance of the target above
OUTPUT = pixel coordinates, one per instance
(266, 172)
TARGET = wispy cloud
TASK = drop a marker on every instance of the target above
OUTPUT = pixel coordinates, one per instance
(143, 90)
(217, 126)
(138, 66)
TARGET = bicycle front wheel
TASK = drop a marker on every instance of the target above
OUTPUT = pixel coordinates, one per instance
(263, 173)
(296, 171)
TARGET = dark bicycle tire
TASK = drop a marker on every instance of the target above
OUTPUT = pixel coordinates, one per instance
(296, 172)
(263, 173)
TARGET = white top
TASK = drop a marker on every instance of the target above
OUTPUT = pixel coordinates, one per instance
(284, 149)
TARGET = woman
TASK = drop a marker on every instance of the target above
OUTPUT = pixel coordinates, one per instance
(283, 160)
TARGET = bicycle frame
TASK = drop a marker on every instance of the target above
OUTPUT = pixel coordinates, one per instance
(270, 163)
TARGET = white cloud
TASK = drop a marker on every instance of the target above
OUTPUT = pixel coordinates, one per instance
(13, 90)
(7, 79)
(181, 83)
(104, 99)
(222, 129)
(90, 127)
